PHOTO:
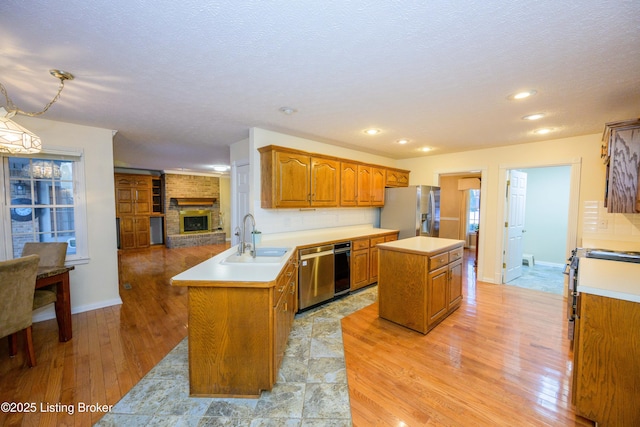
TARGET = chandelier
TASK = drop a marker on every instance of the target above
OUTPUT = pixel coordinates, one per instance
(16, 139)
(40, 169)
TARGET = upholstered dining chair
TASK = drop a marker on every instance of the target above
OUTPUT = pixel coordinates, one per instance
(17, 281)
(52, 254)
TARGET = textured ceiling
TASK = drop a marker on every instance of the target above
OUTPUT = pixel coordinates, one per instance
(181, 81)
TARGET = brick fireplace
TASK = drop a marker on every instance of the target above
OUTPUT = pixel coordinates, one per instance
(192, 193)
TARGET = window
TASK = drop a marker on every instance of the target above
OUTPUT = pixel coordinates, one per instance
(43, 203)
(474, 211)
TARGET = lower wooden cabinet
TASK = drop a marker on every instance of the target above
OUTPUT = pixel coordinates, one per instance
(606, 355)
(364, 259)
(134, 232)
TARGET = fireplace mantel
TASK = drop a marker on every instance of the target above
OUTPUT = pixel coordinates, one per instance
(194, 201)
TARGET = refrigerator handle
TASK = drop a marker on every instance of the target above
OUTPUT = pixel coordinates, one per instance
(432, 210)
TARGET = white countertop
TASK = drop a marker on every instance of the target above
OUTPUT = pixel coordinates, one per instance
(422, 245)
(214, 270)
(612, 279)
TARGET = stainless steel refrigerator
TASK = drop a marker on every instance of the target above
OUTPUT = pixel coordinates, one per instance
(414, 210)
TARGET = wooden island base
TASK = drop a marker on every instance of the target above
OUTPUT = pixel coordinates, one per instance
(420, 281)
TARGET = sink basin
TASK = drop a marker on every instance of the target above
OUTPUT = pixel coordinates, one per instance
(271, 252)
(263, 256)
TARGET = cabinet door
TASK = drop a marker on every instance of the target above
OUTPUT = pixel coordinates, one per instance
(325, 185)
(359, 269)
(364, 185)
(143, 232)
(437, 285)
(292, 172)
(125, 200)
(623, 176)
(378, 178)
(373, 265)
(142, 200)
(127, 232)
(348, 184)
(455, 283)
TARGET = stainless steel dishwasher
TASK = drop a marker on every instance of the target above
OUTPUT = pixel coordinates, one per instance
(315, 276)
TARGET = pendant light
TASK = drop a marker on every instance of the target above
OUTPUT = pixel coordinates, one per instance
(16, 139)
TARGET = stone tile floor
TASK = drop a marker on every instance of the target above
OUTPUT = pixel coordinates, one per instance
(311, 390)
(541, 278)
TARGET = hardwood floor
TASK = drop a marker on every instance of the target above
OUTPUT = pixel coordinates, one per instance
(501, 359)
(112, 348)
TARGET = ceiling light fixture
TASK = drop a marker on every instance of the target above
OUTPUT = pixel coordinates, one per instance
(425, 149)
(372, 131)
(536, 116)
(221, 168)
(402, 141)
(521, 95)
(16, 139)
(543, 131)
(288, 110)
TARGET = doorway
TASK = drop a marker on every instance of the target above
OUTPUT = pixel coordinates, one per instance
(536, 227)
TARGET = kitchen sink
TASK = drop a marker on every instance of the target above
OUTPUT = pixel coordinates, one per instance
(263, 256)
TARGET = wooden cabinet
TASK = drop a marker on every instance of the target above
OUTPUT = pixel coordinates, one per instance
(138, 197)
(364, 259)
(378, 179)
(298, 179)
(606, 373)
(135, 232)
(133, 194)
(348, 184)
(419, 289)
(294, 179)
(238, 333)
(621, 153)
(359, 263)
(285, 309)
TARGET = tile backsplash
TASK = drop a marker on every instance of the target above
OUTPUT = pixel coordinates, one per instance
(271, 221)
(599, 225)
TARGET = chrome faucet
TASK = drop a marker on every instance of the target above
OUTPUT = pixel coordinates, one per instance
(243, 245)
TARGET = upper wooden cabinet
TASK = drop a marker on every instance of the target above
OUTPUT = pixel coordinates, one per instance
(133, 194)
(621, 153)
(348, 184)
(397, 178)
(297, 179)
(293, 179)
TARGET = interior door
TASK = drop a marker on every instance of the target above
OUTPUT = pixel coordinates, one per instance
(243, 197)
(514, 226)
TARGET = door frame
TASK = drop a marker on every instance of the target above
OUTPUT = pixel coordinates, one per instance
(573, 211)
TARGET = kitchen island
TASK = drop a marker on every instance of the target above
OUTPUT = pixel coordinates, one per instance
(241, 312)
(419, 281)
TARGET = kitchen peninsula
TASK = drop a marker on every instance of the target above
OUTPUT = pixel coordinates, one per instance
(420, 281)
(241, 311)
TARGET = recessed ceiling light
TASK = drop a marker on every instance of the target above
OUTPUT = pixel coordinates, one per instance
(288, 110)
(372, 131)
(543, 131)
(402, 141)
(521, 95)
(220, 168)
(536, 116)
(425, 149)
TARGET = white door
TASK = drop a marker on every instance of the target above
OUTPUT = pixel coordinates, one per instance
(242, 200)
(514, 226)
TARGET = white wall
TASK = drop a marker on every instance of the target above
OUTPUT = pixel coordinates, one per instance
(93, 284)
(284, 220)
(546, 214)
(582, 152)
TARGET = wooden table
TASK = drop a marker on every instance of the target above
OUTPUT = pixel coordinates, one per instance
(59, 276)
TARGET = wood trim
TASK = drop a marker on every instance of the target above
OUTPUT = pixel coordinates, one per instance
(194, 201)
